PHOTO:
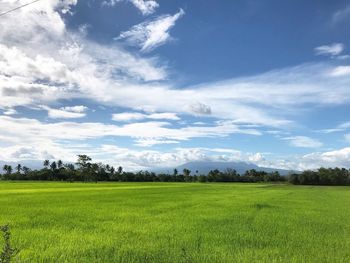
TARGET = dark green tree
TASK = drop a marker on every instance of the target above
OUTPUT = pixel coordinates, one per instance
(46, 164)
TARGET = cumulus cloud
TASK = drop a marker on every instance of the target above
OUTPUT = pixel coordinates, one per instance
(146, 7)
(331, 50)
(336, 158)
(303, 142)
(151, 34)
(200, 108)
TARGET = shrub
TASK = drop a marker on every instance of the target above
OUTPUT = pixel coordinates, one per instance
(7, 252)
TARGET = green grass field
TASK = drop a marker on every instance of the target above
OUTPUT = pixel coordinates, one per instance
(176, 222)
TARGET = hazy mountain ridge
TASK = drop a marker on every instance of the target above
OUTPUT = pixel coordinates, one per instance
(203, 167)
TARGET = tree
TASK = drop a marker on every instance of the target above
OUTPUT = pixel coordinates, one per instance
(25, 169)
(120, 170)
(7, 168)
(175, 172)
(18, 168)
(83, 161)
(70, 166)
(53, 166)
(59, 164)
(46, 164)
(186, 174)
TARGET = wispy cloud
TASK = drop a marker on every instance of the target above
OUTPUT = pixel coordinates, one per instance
(340, 71)
(132, 116)
(347, 137)
(303, 142)
(151, 34)
(330, 50)
(341, 15)
(341, 127)
(25, 129)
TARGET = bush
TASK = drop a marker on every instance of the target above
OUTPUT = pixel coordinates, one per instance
(7, 252)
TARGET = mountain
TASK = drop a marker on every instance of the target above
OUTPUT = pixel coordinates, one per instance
(203, 167)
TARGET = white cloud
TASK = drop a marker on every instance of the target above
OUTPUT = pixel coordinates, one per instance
(146, 159)
(80, 66)
(69, 112)
(200, 108)
(77, 109)
(148, 142)
(23, 129)
(132, 116)
(303, 142)
(340, 71)
(332, 49)
(146, 7)
(151, 34)
(10, 112)
(256, 158)
(163, 116)
(128, 116)
(43, 63)
(336, 158)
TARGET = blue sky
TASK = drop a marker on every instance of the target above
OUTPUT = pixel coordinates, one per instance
(147, 83)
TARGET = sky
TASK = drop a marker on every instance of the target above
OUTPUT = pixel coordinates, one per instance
(153, 83)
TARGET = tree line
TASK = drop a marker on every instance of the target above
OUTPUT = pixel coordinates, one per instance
(323, 176)
(84, 170)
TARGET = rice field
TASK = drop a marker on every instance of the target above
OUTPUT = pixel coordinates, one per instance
(176, 222)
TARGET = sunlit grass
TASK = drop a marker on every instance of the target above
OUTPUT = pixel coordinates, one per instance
(176, 222)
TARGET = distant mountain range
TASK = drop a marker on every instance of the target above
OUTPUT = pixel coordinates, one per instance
(203, 167)
(32, 164)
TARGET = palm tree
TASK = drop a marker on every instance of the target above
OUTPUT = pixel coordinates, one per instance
(18, 168)
(9, 169)
(53, 166)
(59, 164)
(46, 164)
(5, 168)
